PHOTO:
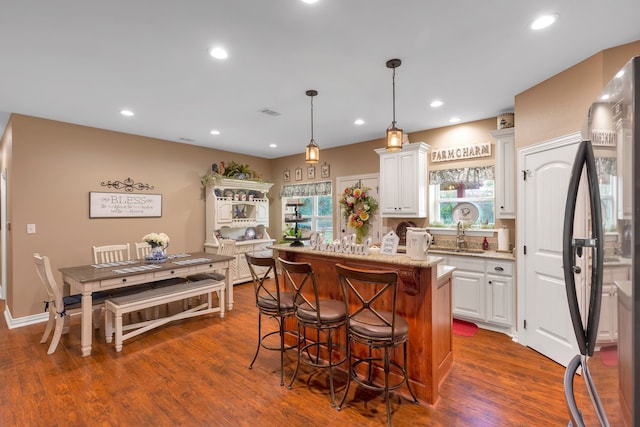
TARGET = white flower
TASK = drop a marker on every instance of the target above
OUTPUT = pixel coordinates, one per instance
(157, 239)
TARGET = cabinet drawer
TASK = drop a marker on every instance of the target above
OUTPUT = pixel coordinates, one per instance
(176, 272)
(122, 282)
(467, 263)
(500, 267)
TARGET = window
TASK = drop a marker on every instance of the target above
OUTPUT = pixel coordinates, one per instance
(319, 211)
(449, 187)
(317, 208)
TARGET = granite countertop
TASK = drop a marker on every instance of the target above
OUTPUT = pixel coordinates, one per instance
(477, 253)
(399, 259)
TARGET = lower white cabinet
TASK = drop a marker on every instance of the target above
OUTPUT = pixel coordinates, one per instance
(240, 271)
(608, 326)
(483, 291)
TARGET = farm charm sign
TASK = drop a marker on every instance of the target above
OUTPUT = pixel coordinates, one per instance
(459, 153)
(124, 205)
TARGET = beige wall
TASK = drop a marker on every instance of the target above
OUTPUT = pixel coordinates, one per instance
(55, 165)
(52, 167)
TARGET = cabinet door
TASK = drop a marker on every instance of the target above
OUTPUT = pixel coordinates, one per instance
(224, 212)
(408, 183)
(262, 213)
(505, 176)
(468, 294)
(500, 299)
(608, 326)
(389, 184)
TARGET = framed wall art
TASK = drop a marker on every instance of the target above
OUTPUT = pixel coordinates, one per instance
(124, 205)
(311, 172)
(298, 174)
(324, 171)
(286, 176)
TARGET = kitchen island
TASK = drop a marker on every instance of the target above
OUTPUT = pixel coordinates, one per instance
(424, 300)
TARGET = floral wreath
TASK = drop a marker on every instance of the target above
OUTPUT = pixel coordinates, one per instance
(358, 208)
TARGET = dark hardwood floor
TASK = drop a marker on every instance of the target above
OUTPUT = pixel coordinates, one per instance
(195, 373)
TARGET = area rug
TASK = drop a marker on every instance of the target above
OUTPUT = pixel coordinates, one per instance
(609, 355)
(464, 328)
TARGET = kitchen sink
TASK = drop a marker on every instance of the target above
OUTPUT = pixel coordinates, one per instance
(461, 250)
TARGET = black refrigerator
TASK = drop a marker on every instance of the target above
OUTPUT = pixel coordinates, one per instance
(605, 310)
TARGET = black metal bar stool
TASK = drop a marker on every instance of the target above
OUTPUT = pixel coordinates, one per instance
(370, 301)
(324, 316)
(272, 302)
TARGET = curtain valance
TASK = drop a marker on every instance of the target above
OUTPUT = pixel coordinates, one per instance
(606, 165)
(322, 188)
(474, 174)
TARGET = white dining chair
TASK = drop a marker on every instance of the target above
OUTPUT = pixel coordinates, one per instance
(225, 247)
(111, 253)
(142, 249)
(58, 305)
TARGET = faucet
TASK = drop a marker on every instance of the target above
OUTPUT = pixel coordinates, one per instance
(460, 236)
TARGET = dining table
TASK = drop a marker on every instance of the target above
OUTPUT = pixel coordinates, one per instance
(86, 279)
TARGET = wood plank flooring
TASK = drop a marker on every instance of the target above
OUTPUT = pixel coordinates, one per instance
(195, 373)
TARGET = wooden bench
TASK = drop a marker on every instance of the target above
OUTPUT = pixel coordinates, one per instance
(116, 307)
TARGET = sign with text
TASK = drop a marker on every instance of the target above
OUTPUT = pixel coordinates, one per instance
(459, 153)
(124, 205)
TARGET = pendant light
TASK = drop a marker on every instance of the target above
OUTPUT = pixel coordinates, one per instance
(394, 134)
(312, 153)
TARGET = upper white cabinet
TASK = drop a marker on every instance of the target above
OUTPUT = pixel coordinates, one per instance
(403, 181)
(505, 177)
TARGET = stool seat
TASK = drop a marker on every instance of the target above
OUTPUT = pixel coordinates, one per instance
(330, 311)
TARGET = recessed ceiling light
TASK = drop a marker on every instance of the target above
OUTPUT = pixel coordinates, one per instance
(273, 145)
(604, 97)
(127, 113)
(543, 21)
(358, 122)
(454, 119)
(218, 53)
(437, 103)
(619, 74)
(310, 1)
(215, 132)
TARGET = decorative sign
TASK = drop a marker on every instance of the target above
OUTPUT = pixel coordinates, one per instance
(124, 205)
(390, 243)
(347, 245)
(459, 153)
(603, 137)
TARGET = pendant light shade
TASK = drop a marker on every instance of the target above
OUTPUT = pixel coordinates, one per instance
(312, 153)
(394, 134)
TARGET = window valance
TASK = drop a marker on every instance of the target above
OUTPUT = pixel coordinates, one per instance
(474, 174)
(322, 188)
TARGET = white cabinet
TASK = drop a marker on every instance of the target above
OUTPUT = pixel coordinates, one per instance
(608, 326)
(239, 210)
(483, 291)
(624, 169)
(403, 181)
(505, 176)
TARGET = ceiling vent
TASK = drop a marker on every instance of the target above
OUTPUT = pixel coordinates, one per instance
(187, 139)
(269, 112)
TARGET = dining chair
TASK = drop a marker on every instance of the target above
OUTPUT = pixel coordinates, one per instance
(142, 249)
(372, 321)
(225, 247)
(325, 316)
(111, 253)
(58, 305)
(273, 301)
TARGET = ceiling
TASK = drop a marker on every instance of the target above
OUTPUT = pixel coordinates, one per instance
(82, 62)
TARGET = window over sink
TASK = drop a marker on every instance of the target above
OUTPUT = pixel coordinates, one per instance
(450, 187)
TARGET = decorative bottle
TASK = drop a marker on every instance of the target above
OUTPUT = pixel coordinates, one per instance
(485, 244)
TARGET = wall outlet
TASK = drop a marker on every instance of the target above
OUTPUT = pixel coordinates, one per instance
(31, 228)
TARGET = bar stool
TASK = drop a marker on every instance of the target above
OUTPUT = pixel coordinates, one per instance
(275, 303)
(370, 301)
(325, 316)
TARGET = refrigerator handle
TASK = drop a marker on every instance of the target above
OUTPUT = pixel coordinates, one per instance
(597, 261)
(569, 247)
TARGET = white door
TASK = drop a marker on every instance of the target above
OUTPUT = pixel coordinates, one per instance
(544, 320)
(368, 180)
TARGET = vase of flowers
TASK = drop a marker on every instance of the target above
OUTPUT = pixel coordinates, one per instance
(358, 208)
(159, 243)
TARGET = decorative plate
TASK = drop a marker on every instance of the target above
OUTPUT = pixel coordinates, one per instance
(250, 233)
(465, 212)
(401, 230)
